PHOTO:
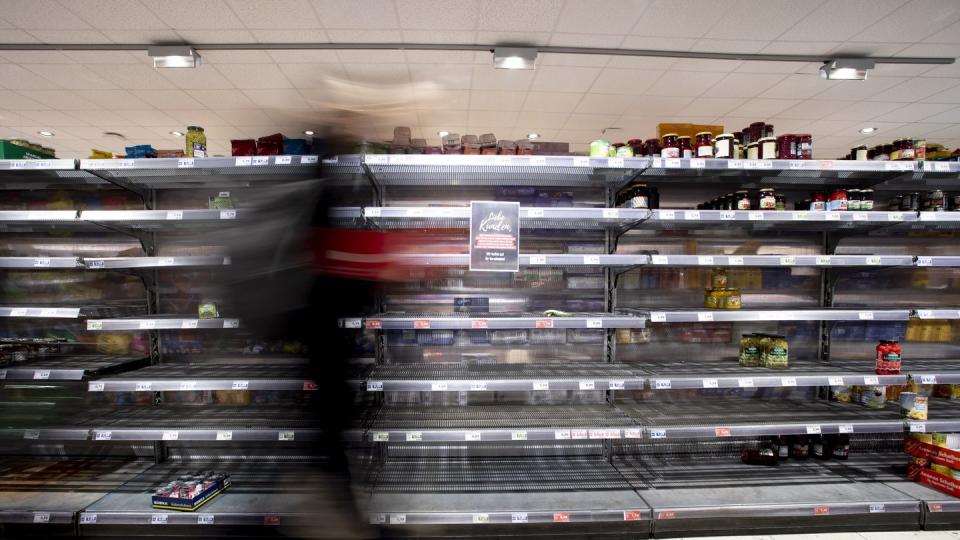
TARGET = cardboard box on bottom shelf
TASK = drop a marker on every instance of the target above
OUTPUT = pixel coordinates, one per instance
(190, 492)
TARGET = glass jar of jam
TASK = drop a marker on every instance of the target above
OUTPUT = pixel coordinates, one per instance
(686, 150)
(838, 200)
(860, 153)
(805, 145)
(705, 144)
(651, 147)
(787, 146)
(781, 201)
(818, 201)
(906, 149)
(671, 146)
(723, 146)
(729, 202)
(637, 146)
(743, 199)
(753, 151)
(853, 199)
(768, 148)
(889, 357)
(639, 197)
(768, 201)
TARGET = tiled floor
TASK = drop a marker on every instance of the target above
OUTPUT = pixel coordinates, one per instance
(905, 535)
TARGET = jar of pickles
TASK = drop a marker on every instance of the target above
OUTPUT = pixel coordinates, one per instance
(671, 146)
(704, 144)
(196, 141)
(781, 201)
(686, 149)
(712, 299)
(732, 299)
(774, 351)
(749, 350)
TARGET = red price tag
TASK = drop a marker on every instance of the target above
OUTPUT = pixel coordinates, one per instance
(722, 431)
(374, 324)
(309, 386)
(271, 520)
(479, 324)
(421, 325)
(821, 510)
(668, 514)
(632, 515)
(561, 517)
(544, 323)
(935, 507)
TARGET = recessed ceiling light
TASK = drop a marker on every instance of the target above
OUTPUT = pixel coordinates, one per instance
(174, 56)
(177, 133)
(867, 130)
(533, 135)
(308, 132)
(46, 133)
(514, 58)
(443, 133)
(846, 69)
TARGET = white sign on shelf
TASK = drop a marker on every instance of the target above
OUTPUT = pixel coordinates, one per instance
(174, 215)
(41, 517)
(103, 435)
(615, 385)
(788, 381)
(471, 436)
(185, 163)
(612, 162)
(534, 212)
(481, 518)
(205, 519)
(96, 387)
(158, 519)
(895, 216)
(928, 379)
(662, 384)
(591, 259)
(704, 316)
(518, 435)
(519, 517)
(658, 316)
(873, 260)
(224, 435)
(877, 508)
(186, 386)
(860, 216)
(924, 314)
(728, 215)
(823, 260)
(755, 216)
(788, 261)
(865, 315)
(918, 427)
(541, 385)
(813, 429)
(696, 163)
(561, 434)
(88, 519)
(228, 214)
(41, 374)
(845, 428)
(538, 259)
(659, 259)
(478, 386)
(283, 160)
(745, 382)
(381, 436)
(398, 519)
(438, 387)
(871, 380)
(170, 436)
(672, 163)
(657, 433)
(189, 323)
(240, 385)
(835, 381)
(735, 260)
(691, 215)
(260, 160)
(611, 213)
(587, 385)
(924, 261)
(243, 161)
(542, 160)
(711, 383)
(594, 323)
(41, 262)
(308, 160)
(143, 386)
(581, 161)
(668, 214)
(705, 260)
(286, 436)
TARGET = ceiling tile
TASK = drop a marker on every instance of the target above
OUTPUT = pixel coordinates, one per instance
(216, 57)
(100, 117)
(799, 87)
(200, 37)
(109, 14)
(764, 108)
(947, 96)
(305, 56)
(114, 99)
(814, 109)
(824, 127)
(858, 90)
(168, 99)
(668, 18)
(950, 34)
(596, 122)
(840, 21)
(277, 99)
(115, 58)
(275, 14)
(597, 41)
(551, 102)
(15, 77)
(75, 76)
(800, 47)
(901, 70)
(36, 57)
(732, 46)
(775, 67)
(18, 102)
(257, 76)
(442, 118)
(223, 99)
(700, 64)
(540, 120)
(481, 100)
(564, 79)
(312, 75)
(444, 76)
(706, 106)
(301, 35)
(194, 14)
(864, 110)
(365, 36)
(582, 136)
(743, 84)
(511, 16)
(65, 100)
(439, 57)
(205, 77)
(442, 37)
(510, 39)
(143, 36)
(585, 60)
(439, 14)
(684, 83)
(132, 77)
(16, 36)
(380, 74)
(351, 14)
(76, 37)
(915, 112)
(148, 117)
(244, 117)
(41, 15)
(488, 78)
(433, 98)
(614, 17)
(54, 119)
(744, 18)
(655, 106)
(497, 118)
(371, 57)
(915, 90)
(605, 104)
(912, 22)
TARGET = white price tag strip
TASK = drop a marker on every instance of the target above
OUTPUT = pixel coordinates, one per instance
(538, 259)
(813, 429)
(594, 323)
(658, 316)
(243, 161)
(865, 315)
(823, 260)
(668, 214)
(158, 519)
(662, 384)
(224, 435)
(591, 259)
(735, 261)
(924, 261)
(788, 381)
(659, 259)
(518, 435)
(88, 519)
(928, 379)
(692, 215)
(283, 160)
(657, 433)
(260, 160)
(745, 382)
(587, 385)
(519, 517)
(41, 517)
(788, 261)
(205, 519)
(616, 385)
(471, 436)
(704, 316)
(835, 381)
(705, 260)
(918, 427)
(541, 385)
(710, 383)
(170, 435)
(845, 428)
(871, 380)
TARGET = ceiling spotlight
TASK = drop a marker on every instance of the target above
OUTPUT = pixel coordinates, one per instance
(308, 132)
(532, 136)
(442, 133)
(846, 69)
(45, 133)
(174, 56)
(514, 58)
(177, 133)
(868, 130)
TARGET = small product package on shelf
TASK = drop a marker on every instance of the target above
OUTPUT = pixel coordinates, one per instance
(190, 491)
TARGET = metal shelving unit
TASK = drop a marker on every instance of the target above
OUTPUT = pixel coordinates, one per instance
(752, 315)
(174, 378)
(492, 321)
(70, 367)
(677, 375)
(160, 323)
(503, 378)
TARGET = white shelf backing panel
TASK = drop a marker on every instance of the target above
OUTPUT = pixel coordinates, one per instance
(783, 260)
(40, 312)
(415, 424)
(748, 315)
(68, 368)
(694, 375)
(603, 260)
(512, 377)
(459, 217)
(120, 263)
(160, 323)
(793, 219)
(819, 171)
(492, 321)
(719, 417)
(39, 263)
(174, 378)
(457, 170)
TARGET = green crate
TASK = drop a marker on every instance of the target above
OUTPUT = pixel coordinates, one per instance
(9, 150)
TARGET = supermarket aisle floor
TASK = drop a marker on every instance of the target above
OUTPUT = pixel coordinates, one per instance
(899, 535)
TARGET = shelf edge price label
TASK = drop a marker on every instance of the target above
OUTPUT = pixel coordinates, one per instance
(479, 324)
(835, 381)
(928, 379)
(865, 315)
(308, 160)
(721, 431)
(538, 259)
(711, 383)
(924, 314)
(286, 436)
(41, 517)
(103, 435)
(821, 510)
(519, 517)
(478, 386)
(587, 385)
(142, 387)
(147, 324)
(88, 519)
(633, 433)
(616, 385)
(924, 261)
(860, 216)
(788, 381)
(800, 216)
(659, 259)
(170, 436)
(832, 215)
(578, 434)
(185, 163)
(611, 213)
(41, 374)
(414, 436)
(668, 214)
(755, 216)
(696, 163)
(518, 435)
(672, 163)
(874, 260)
(691, 215)
(935, 507)
(381, 436)
(95, 387)
(581, 161)
(283, 160)
(31, 435)
(240, 385)
(243, 161)
(398, 519)
(594, 323)
(561, 434)
(611, 162)
(823, 260)
(378, 519)
(189, 324)
(745, 382)
(662, 384)
(541, 385)
(876, 508)
(591, 259)
(228, 214)
(534, 212)
(421, 324)
(174, 215)
(158, 519)
(658, 316)
(260, 160)
(541, 160)
(705, 260)
(471, 436)
(657, 433)
(561, 517)
(735, 260)
(845, 428)
(481, 518)
(895, 216)
(704, 316)
(41, 262)
(205, 519)
(438, 387)
(871, 380)
(813, 429)
(788, 261)
(224, 435)
(917, 427)
(544, 323)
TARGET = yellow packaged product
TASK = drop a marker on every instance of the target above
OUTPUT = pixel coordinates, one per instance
(939, 439)
(942, 469)
(923, 437)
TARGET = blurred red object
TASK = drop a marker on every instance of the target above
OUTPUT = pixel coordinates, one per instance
(243, 147)
(369, 255)
(271, 145)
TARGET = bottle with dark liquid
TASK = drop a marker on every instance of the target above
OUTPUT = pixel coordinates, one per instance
(820, 447)
(840, 446)
(761, 456)
(799, 447)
